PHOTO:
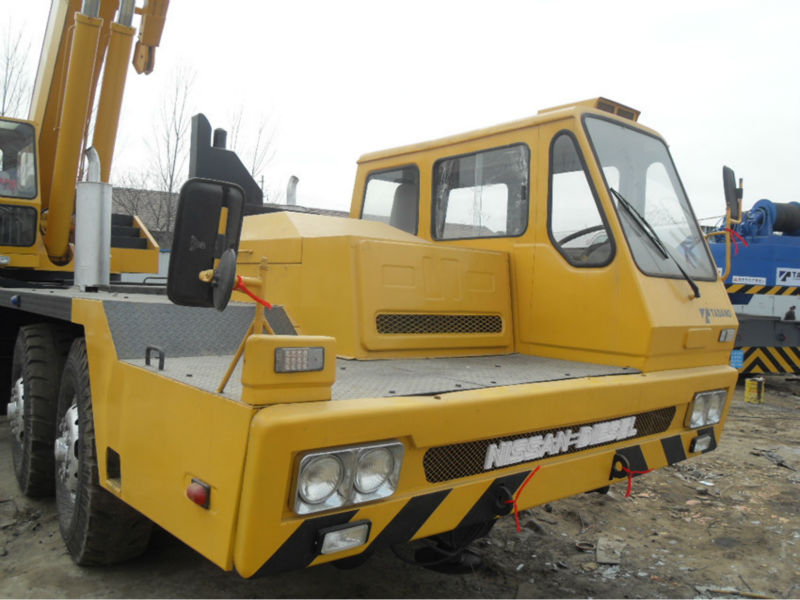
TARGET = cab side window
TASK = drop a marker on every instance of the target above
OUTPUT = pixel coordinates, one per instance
(17, 165)
(576, 224)
(392, 197)
(484, 194)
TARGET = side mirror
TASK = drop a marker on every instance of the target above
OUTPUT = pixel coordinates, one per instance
(205, 208)
(733, 194)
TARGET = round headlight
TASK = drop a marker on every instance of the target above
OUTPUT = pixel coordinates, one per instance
(319, 478)
(374, 467)
(699, 409)
(715, 410)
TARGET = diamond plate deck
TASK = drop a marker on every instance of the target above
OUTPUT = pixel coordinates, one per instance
(177, 330)
(199, 344)
(425, 376)
(399, 377)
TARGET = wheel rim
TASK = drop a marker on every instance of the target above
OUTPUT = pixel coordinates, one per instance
(66, 454)
(16, 410)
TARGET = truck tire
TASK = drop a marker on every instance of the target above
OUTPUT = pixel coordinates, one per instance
(97, 527)
(39, 354)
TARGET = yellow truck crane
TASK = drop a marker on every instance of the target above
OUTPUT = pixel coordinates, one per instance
(508, 317)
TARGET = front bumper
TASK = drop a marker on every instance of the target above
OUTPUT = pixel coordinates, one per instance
(436, 492)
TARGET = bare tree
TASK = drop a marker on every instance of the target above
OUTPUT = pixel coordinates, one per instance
(152, 194)
(134, 195)
(235, 130)
(169, 144)
(14, 81)
(131, 195)
(253, 142)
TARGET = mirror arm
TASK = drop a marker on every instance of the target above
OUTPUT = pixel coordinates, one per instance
(740, 197)
(729, 221)
(727, 270)
(259, 324)
(733, 202)
(727, 233)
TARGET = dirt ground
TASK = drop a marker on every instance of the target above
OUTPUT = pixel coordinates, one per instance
(724, 525)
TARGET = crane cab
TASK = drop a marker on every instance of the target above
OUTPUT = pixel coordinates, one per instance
(19, 196)
(607, 261)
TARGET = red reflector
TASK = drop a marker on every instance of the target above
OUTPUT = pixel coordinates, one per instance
(199, 493)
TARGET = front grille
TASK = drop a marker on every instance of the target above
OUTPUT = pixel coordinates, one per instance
(17, 225)
(444, 463)
(421, 324)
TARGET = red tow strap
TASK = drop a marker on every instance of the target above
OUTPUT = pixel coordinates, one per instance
(734, 236)
(240, 285)
(514, 500)
(630, 478)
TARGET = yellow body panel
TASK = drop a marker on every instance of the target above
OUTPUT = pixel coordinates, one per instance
(166, 433)
(338, 274)
(418, 278)
(278, 434)
(19, 259)
(123, 260)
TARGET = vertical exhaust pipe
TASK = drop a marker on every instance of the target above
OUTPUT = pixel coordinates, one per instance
(92, 228)
(291, 190)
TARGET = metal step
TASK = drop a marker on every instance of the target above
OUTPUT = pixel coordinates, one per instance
(124, 234)
(123, 220)
(128, 242)
(125, 231)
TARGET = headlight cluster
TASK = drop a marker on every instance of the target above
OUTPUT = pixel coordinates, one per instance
(329, 479)
(706, 408)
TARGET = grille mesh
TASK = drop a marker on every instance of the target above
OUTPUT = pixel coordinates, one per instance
(421, 324)
(17, 225)
(444, 463)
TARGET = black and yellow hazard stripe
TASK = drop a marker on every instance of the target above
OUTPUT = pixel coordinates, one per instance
(674, 452)
(300, 549)
(771, 359)
(770, 290)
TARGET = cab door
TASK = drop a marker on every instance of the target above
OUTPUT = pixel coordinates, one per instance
(19, 199)
(583, 303)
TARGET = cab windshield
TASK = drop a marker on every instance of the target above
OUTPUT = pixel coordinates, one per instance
(17, 164)
(639, 168)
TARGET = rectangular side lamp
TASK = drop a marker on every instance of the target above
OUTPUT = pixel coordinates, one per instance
(279, 369)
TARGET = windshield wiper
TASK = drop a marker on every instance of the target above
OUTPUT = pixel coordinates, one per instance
(653, 237)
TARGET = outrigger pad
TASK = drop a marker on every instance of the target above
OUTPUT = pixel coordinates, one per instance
(197, 243)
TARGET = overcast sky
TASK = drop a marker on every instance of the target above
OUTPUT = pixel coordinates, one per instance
(720, 80)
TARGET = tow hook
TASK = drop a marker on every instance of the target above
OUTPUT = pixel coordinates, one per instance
(619, 466)
(503, 500)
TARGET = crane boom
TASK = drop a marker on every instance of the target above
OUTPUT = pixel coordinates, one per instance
(81, 42)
